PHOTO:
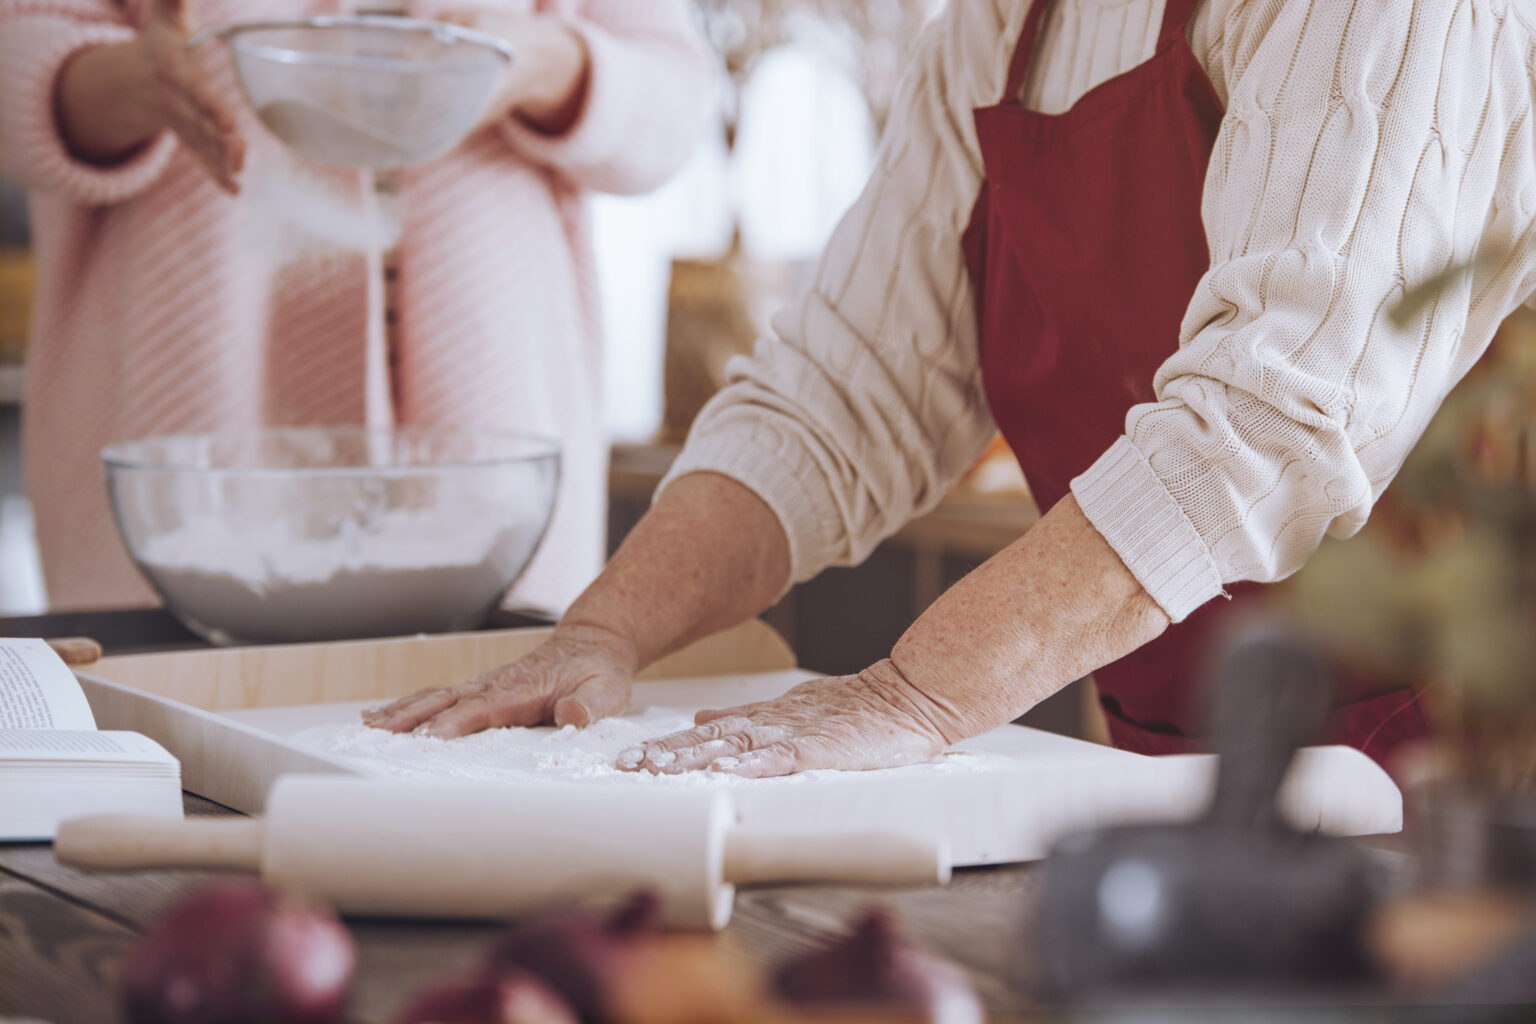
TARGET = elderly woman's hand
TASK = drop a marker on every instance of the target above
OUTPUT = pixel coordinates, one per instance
(580, 674)
(875, 719)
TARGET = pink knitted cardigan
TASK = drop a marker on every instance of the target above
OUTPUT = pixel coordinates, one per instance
(164, 306)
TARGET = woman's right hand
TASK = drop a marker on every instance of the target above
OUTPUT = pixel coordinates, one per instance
(113, 99)
(580, 674)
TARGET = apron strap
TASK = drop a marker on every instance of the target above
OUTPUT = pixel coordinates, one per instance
(1176, 14)
(1025, 49)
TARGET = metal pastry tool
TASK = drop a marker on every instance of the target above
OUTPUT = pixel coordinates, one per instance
(1234, 898)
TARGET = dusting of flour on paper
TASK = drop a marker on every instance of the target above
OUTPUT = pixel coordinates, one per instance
(547, 753)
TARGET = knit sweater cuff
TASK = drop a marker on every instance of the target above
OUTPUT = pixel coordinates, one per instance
(1126, 502)
(797, 499)
(41, 154)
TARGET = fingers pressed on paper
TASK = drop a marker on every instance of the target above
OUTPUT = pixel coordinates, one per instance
(783, 758)
(408, 712)
(658, 754)
(728, 748)
(490, 707)
(400, 703)
(701, 747)
(470, 713)
(720, 727)
(420, 696)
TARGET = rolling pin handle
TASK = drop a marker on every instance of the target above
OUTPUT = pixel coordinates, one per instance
(127, 842)
(883, 858)
(76, 651)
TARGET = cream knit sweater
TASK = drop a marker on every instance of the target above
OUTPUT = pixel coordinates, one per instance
(1367, 145)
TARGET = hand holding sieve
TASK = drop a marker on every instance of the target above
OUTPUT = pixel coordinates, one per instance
(367, 91)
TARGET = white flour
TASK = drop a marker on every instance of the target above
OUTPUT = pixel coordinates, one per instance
(292, 208)
(547, 753)
(398, 573)
(278, 553)
(324, 135)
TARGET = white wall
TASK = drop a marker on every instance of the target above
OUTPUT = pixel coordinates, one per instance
(803, 152)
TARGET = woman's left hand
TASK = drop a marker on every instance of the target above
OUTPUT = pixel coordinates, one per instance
(546, 81)
(875, 719)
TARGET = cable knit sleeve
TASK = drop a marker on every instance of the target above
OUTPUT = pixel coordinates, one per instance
(1368, 146)
(867, 402)
(649, 95)
(36, 39)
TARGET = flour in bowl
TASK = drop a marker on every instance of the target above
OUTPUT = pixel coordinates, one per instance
(402, 573)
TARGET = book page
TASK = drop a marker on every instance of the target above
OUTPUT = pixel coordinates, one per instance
(81, 745)
(37, 690)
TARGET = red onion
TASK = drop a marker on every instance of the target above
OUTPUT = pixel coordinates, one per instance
(873, 971)
(514, 998)
(575, 952)
(240, 951)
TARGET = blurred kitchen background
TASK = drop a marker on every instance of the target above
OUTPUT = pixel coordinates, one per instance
(21, 581)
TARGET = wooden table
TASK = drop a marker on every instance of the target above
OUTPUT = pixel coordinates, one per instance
(64, 933)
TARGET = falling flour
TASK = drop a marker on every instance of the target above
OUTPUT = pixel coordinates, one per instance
(296, 211)
(546, 753)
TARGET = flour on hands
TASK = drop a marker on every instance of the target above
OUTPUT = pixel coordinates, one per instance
(876, 719)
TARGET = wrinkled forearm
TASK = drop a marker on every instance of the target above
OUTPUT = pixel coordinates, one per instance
(1051, 607)
(708, 555)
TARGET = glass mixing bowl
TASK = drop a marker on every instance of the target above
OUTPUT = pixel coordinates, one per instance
(332, 533)
(370, 91)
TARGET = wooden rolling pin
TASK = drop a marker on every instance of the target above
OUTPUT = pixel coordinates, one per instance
(487, 850)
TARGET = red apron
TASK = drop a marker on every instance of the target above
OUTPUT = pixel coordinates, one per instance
(1085, 246)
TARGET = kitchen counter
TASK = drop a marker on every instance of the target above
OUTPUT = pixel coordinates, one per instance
(145, 630)
(64, 933)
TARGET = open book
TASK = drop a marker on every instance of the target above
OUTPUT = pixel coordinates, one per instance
(55, 764)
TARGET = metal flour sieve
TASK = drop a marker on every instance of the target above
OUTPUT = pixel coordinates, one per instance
(368, 91)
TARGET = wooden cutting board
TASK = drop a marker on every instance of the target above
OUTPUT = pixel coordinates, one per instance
(1006, 796)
